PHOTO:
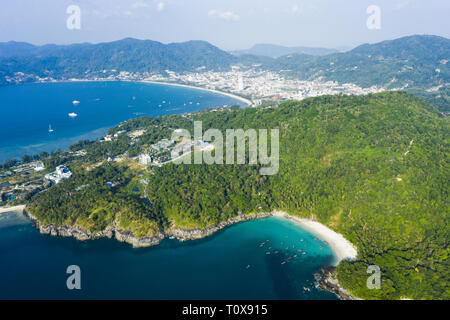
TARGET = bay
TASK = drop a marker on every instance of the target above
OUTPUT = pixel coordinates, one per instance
(28, 110)
(231, 264)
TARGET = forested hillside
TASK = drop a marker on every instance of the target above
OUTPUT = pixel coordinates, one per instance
(415, 61)
(129, 54)
(374, 168)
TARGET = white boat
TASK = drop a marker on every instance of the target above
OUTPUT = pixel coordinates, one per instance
(73, 115)
(75, 102)
(50, 128)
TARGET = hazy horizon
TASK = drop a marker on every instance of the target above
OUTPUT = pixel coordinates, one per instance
(229, 25)
(341, 48)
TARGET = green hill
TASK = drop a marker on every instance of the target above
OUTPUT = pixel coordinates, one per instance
(416, 61)
(129, 54)
(374, 168)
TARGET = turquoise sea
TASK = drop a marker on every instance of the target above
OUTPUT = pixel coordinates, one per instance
(243, 261)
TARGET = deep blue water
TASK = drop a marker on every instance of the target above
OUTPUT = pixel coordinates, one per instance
(28, 110)
(34, 265)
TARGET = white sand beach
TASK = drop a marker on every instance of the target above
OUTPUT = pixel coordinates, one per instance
(248, 102)
(199, 88)
(12, 209)
(343, 248)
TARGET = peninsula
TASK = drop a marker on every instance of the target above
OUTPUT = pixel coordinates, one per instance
(363, 166)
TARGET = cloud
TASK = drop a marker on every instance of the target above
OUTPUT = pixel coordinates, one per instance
(160, 6)
(140, 4)
(224, 15)
(402, 4)
(297, 9)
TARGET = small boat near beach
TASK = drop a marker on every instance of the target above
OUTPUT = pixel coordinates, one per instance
(50, 128)
(75, 102)
(73, 115)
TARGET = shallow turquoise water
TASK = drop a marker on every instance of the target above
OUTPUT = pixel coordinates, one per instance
(28, 110)
(34, 265)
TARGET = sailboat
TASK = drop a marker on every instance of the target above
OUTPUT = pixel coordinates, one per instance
(50, 128)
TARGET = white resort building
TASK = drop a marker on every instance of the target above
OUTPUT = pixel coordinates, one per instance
(62, 172)
(144, 159)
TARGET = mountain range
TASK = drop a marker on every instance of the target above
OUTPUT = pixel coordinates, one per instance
(276, 51)
(413, 62)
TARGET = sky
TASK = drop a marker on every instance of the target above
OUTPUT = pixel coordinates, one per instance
(228, 24)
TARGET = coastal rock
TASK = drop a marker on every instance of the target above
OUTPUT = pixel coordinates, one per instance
(327, 281)
(84, 235)
(128, 237)
(75, 232)
(193, 234)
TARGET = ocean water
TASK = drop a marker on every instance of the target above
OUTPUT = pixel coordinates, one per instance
(28, 110)
(228, 265)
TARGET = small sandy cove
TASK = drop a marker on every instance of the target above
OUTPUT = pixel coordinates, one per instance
(343, 249)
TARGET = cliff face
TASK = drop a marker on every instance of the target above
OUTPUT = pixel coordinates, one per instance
(84, 235)
(129, 237)
(183, 234)
(327, 280)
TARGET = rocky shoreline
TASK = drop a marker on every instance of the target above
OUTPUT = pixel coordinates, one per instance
(194, 234)
(128, 237)
(84, 235)
(327, 281)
